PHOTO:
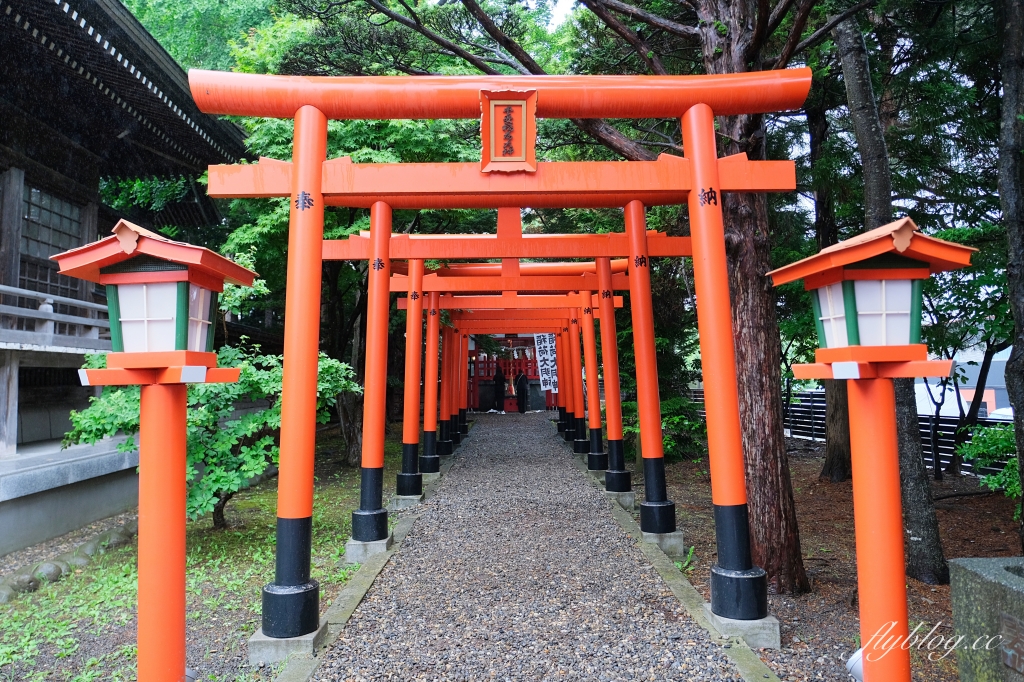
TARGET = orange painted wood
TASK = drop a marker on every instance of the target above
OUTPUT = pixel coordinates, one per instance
(474, 246)
(501, 302)
(571, 96)
(878, 520)
(430, 371)
(560, 184)
(509, 315)
(590, 363)
(378, 302)
(169, 358)
(531, 269)
(302, 310)
(609, 352)
(399, 283)
(915, 351)
(883, 370)
(413, 343)
(162, 492)
(197, 277)
(833, 275)
(714, 317)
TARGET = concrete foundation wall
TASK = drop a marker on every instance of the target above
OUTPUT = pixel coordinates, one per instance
(40, 516)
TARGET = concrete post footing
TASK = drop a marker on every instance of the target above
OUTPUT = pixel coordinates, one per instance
(357, 552)
(763, 633)
(671, 544)
(626, 500)
(266, 650)
(427, 478)
(399, 502)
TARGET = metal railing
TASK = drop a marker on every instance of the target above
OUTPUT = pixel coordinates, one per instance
(805, 418)
(32, 321)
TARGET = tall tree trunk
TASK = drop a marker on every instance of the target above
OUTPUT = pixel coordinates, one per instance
(775, 537)
(1011, 200)
(837, 466)
(922, 544)
(924, 556)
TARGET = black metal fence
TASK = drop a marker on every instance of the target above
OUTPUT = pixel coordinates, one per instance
(805, 418)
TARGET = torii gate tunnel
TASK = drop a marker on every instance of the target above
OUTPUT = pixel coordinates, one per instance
(508, 175)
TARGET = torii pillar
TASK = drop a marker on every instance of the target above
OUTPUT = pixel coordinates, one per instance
(617, 480)
(430, 462)
(597, 459)
(409, 487)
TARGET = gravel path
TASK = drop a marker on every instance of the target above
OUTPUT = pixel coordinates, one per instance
(515, 570)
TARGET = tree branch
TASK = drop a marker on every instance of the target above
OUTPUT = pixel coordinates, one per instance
(799, 21)
(822, 33)
(778, 14)
(417, 25)
(644, 51)
(760, 32)
(510, 45)
(680, 30)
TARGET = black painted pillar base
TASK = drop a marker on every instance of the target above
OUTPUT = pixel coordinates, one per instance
(463, 423)
(616, 478)
(410, 482)
(454, 432)
(370, 521)
(291, 604)
(657, 512)
(569, 434)
(581, 445)
(739, 590)
(597, 459)
(445, 447)
(561, 420)
(740, 595)
(430, 463)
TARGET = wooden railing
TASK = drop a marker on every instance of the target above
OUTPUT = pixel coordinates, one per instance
(84, 326)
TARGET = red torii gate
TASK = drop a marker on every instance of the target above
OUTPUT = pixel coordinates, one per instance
(509, 176)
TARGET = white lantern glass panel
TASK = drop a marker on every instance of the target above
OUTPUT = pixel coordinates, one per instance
(199, 301)
(147, 316)
(883, 311)
(833, 315)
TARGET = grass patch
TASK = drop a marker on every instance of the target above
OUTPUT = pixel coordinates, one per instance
(83, 628)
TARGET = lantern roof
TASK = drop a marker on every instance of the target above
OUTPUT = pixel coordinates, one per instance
(130, 241)
(915, 252)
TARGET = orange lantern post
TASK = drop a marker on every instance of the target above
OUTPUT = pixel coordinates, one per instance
(162, 298)
(867, 301)
(409, 487)
(430, 462)
(370, 533)
(617, 480)
(597, 459)
(739, 590)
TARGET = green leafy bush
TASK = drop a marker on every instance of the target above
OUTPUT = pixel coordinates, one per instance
(684, 433)
(990, 446)
(233, 428)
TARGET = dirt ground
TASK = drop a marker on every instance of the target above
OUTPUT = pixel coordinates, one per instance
(820, 629)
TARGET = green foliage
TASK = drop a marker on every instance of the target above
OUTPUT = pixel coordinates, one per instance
(227, 446)
(684, 433)
(237, 299)
(150, 194)
(991, 446)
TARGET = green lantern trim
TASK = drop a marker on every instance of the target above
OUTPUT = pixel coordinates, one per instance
(850, 311)
(816, 310)
(114, 314)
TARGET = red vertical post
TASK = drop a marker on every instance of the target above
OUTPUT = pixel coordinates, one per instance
(597, 459)
(878, 518)
(444, 434)
(162, 492)
(291, 604)
(453, 388)
(410, 482)
(569, 386)
(464, 386)
(657, 512)
(580, 443)
(370, 521)
(739, 590)
(429, 461)
(616, 479)
(560, 374)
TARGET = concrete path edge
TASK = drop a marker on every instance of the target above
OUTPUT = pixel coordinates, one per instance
(300, 667)
(750, 665)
